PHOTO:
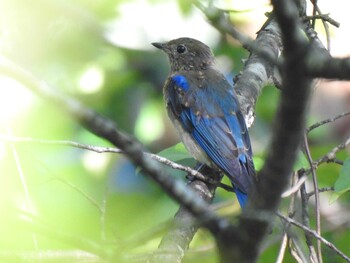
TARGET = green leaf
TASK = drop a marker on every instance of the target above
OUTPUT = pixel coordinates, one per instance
(176, 153)
(258, 162)
(301, 162)
(342, 185)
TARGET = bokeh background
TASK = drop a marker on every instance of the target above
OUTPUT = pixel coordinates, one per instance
(59, 198)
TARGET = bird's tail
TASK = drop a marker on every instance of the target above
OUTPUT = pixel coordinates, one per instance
(241, 197)
(247, 177)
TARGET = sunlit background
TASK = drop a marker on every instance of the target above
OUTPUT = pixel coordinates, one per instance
(59, 198)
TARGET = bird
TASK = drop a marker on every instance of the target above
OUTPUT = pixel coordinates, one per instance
(205, 111)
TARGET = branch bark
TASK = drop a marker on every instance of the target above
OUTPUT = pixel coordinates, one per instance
(176, 241)
(259, 67)
(258, 72)
(288, 130)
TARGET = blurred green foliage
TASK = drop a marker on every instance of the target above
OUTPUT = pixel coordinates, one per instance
(342, 185)
(62, 198)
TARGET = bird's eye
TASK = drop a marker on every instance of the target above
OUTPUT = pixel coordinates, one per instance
(181, 49)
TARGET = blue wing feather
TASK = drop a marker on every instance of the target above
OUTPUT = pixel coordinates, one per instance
(211, 115)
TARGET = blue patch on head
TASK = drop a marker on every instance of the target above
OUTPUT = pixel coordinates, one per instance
(181, 82)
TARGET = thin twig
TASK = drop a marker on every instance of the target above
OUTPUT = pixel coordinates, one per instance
(306, 222)
(337, 161)
(22, 177)
(326, 18)
(291, 208)
(314, 234)
(332, 119)
(220, 21)
(314, 11)
(76, 188)
(295, 249)
(327, 158)
(49, 256)
(295, 188)
(282, 250)
(49, 230)
(332, 153)
(100, 149)
(296, 253)
(83, 193)
(218, 17)
(317, 196)
(321, 190)
(285, 239)
(326, 29)
(103, 215)
(97, 149)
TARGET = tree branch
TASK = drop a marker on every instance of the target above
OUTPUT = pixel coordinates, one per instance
(259, 67)
(176, 241)
(323, 66)
(288, 129)
(258, 72)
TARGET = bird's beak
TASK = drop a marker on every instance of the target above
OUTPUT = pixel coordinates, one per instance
(161, 46)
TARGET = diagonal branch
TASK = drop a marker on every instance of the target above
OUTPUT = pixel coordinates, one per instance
(106, 128)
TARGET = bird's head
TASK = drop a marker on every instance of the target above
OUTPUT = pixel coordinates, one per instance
(187, 54)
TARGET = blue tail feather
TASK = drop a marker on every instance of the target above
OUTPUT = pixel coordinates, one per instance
(241, 197)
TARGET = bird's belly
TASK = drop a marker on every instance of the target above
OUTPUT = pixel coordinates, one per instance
(191, 145)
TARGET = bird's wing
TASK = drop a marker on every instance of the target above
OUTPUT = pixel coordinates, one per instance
(212, 116)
